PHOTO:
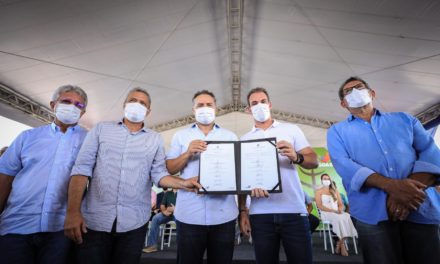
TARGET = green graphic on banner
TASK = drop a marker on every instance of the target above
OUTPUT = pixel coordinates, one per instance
(311, 179)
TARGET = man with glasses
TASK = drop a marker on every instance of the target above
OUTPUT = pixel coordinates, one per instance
(204, 222)
(117, 163)
(34, 175)
(390, 166)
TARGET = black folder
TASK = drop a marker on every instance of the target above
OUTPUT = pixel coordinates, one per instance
(277, 188)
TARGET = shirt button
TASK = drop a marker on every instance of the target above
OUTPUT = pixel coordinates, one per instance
(380, 140)
(391, 169)
(386, 152)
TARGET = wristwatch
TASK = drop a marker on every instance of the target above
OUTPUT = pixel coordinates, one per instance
(299, 159)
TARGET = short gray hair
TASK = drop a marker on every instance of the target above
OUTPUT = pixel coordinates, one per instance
(141, 90)
(69, 88)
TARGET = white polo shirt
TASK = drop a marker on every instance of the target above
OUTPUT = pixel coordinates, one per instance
(291, 199)
(201, 209)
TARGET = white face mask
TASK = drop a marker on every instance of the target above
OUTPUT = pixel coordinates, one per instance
(69, 114)
(135, 112)
(261, 112)
(326, 182)
(205, 115)
(358, 98)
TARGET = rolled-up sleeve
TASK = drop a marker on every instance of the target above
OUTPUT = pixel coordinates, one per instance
(428, 154)
(300, 141)
(10, 162)
(86, 159)
(353, 174)
(175, 148)
(158, 166)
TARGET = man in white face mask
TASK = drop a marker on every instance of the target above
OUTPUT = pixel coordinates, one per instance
(204, 222)
(390, 166)
(284, 211)
(38, 165)
(118, 161)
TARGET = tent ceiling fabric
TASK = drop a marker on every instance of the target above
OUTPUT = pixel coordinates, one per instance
(300, 50)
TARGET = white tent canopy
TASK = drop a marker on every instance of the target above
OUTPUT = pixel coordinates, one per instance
(300, 50)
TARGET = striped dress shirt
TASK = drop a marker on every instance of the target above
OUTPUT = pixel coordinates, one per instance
(121, 165)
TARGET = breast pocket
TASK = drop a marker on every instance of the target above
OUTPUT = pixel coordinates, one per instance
(74, 153)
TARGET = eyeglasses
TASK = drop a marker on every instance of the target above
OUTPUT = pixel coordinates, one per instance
(68, 102)
(359, 86)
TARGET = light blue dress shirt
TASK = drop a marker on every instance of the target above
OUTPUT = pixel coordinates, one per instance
(121, 165)
(40, 159)
(201, 209)
(394, 145)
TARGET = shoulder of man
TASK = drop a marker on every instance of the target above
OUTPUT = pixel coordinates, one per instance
(39, 129)
(228, 132)
(184, 131)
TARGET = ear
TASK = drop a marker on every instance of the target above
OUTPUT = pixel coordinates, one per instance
(148, 112)
(270, 105)
(52, 105)
(247, 109)
(373, 93)
(344, 103)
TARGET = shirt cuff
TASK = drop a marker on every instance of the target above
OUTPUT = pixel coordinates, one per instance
(422, 166)
(81, 171)
(157, 178)
(359, 178)
(8, 172)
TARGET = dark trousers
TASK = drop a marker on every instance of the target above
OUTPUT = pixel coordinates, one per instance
(292, 229)
(217, 240)
(46, 247)
(314, 222)
(111, 247)
(399, 242)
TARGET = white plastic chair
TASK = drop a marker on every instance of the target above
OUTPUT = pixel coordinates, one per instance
(328, 235)
(167, 229)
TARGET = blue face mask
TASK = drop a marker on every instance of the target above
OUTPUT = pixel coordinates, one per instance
(68, 114)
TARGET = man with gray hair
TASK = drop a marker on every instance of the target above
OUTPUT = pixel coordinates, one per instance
(34, 175)
(118, 161)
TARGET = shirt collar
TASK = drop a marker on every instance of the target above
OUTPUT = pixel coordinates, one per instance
(352, 117)
(194, 125)
(56, 128)
(143, 129)
(275, 123)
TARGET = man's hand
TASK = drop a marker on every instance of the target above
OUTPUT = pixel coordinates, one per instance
(171, 208)
(259, 193)
(191, 184)
(286, 149)
(395, 210)
(245, 225)
(426, 178)
(196, 146)
(74, 226)
(407, 192)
